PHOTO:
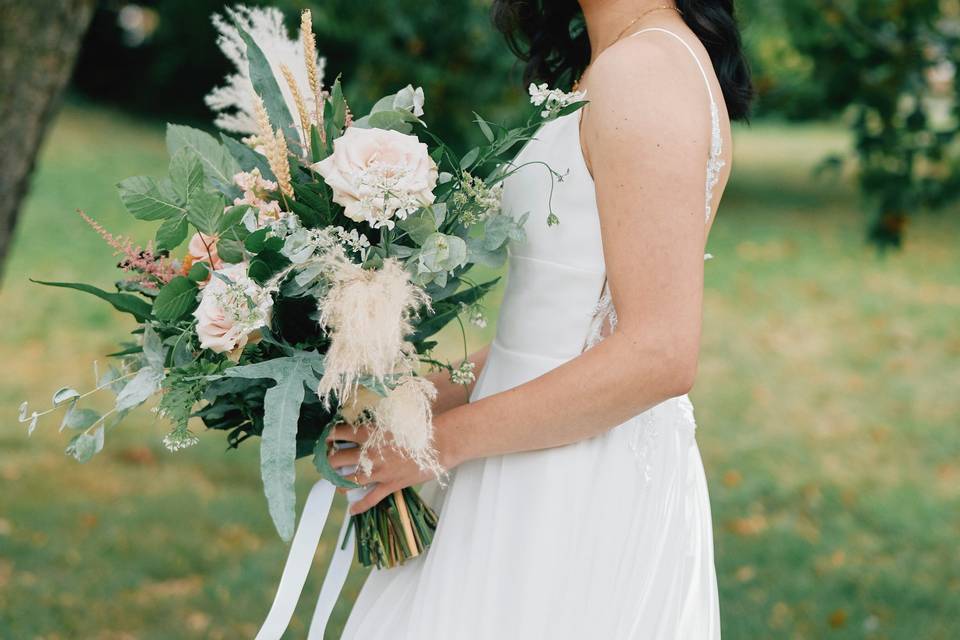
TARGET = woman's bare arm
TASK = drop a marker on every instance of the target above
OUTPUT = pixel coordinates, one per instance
(451, 395)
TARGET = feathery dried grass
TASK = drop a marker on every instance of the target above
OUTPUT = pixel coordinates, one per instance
(274, 147)
(367, 313)
(406, 414)
(298, 100)
(310, 59)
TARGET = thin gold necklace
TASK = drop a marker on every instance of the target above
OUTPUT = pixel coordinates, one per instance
(623, 32)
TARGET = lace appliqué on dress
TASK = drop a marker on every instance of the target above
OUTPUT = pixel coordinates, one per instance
(715, 163)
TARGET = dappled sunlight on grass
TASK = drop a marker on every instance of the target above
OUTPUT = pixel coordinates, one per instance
(826, 399)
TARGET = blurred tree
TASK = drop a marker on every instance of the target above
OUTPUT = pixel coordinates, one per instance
(891, 64)
(38, 44)
(782, 75)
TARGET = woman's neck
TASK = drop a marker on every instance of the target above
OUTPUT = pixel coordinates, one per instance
(606, 19)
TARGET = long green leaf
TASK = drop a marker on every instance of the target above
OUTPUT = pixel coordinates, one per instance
(281, 414)
(247, 157)
(266, 86)
(139, 309)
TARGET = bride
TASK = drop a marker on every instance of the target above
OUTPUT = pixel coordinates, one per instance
(576, 505)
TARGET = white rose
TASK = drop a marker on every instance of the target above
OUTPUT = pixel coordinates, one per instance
(226, 319)
(378, 175)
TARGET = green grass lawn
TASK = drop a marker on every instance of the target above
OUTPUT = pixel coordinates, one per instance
(827, 402)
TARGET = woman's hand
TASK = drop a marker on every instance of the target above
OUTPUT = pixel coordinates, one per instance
(391, 471)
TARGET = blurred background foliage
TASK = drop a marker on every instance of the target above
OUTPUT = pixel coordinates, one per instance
(885, 66)
(826, 395)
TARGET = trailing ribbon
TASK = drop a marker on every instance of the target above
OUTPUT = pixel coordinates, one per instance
(302, 549)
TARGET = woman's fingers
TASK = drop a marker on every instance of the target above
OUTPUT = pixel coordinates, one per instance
(344, 457)
(347, 433)
(378, 493)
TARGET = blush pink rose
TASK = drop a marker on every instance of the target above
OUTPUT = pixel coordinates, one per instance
(226, 319)
(378, 175)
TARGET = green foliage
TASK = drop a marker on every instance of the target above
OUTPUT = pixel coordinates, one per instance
(219, 166)
(890, 65)
(176, 299)
(265, 85)
(281, 406)
(122, 302)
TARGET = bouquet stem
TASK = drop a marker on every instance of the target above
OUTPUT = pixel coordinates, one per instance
(400, 527)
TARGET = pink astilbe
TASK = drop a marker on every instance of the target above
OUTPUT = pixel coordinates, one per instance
(135, 258)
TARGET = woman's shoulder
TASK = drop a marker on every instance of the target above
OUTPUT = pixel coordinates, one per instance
(646, 85)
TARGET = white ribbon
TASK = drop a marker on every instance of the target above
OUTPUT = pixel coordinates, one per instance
(302, 549)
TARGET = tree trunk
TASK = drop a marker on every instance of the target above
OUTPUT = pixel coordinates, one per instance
(39, 41)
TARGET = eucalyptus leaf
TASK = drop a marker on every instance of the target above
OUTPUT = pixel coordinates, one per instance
(420, 226)
(391, 120)
(153, 351)
(135, 392)
(281, 413)
(84, 446)
(76, 418)
(64, 395)
(477, 253)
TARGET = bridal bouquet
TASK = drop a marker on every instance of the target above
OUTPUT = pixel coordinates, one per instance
(323, 253)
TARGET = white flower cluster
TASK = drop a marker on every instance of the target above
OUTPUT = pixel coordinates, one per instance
(353, 240)
(475, 201)
(552, 100)
(384, 195)
(464, 373)
(475, 315)
(180, 439)
(302, 244)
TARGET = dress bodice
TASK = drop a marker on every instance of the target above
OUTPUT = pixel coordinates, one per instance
(556, 276)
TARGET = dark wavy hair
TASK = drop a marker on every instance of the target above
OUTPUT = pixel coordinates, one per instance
(550, 37)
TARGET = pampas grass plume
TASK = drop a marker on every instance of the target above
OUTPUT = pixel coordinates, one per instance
(367, 314)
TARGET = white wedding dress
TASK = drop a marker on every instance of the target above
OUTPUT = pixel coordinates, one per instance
(608, 538)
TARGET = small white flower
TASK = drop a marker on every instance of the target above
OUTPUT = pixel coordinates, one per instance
(475, 315)
(180, 439)
(410, 99)
(553, 100)
(464, 373)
